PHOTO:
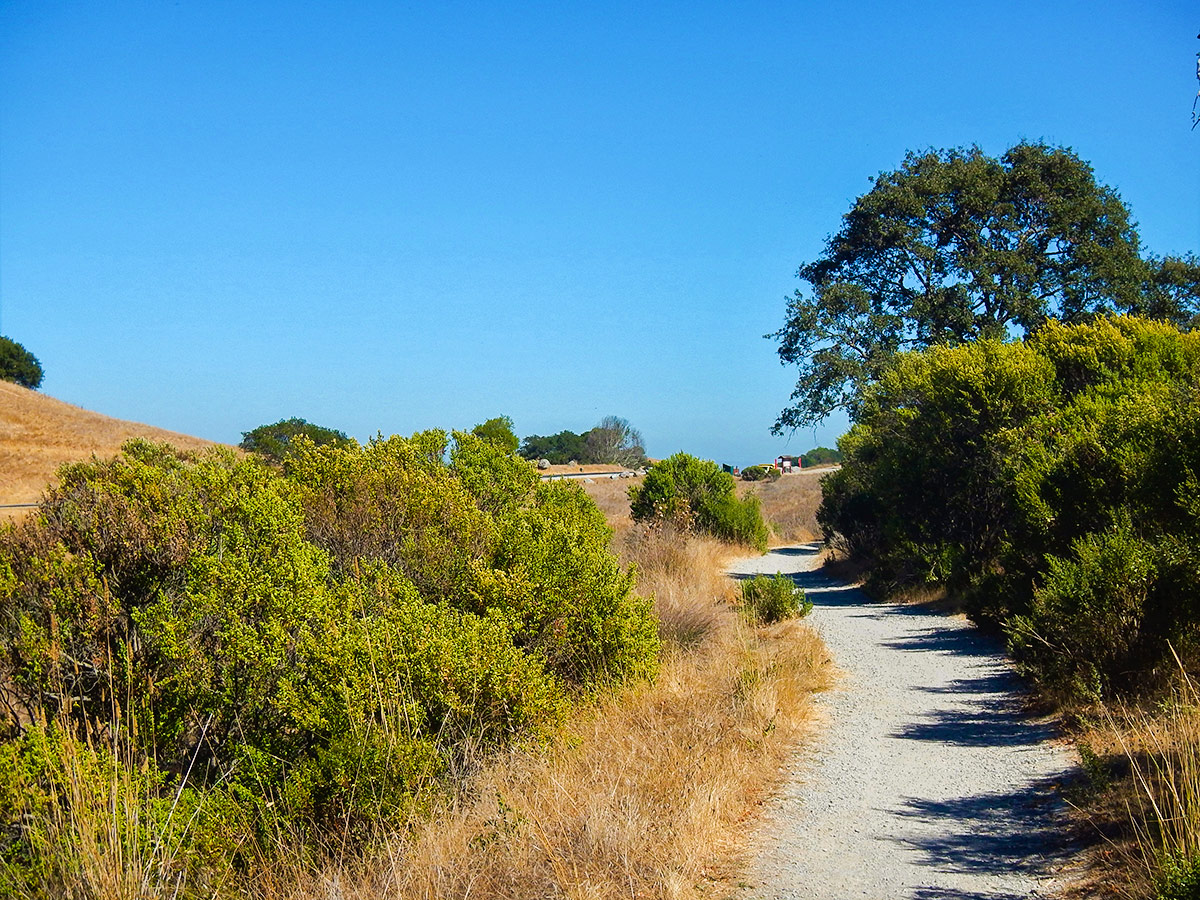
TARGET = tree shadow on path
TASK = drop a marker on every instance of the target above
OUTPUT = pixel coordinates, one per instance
(1019, 830)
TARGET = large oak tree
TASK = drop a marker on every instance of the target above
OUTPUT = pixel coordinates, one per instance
(956, 245)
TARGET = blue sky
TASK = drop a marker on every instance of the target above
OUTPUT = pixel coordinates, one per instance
(384, 217)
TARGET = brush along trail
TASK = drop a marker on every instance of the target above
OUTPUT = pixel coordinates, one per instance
(931, 779)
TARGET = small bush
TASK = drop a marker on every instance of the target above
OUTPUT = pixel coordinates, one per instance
(773, 598)
(760, 473)
(695, 494)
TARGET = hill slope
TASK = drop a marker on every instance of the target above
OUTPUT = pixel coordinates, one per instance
(38, 434)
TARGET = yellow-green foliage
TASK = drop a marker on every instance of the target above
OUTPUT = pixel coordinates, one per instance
(770, 599)
(1053, 482)
(302, 651)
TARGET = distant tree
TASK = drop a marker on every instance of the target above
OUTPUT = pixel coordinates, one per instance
(614, 440)
(558, 449)
(955, 246)
(19, 365)
(498, 432)
(275, 441)
(820, 456)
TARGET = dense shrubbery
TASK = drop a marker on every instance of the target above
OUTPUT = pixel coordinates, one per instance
(696, 494)
(768, 599)
(255, 652)
(1055, 483)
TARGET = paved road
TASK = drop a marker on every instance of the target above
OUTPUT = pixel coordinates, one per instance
(930, 779)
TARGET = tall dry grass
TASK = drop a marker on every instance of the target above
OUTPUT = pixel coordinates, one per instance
(790, 506)
(648, 793)
(1141, 796)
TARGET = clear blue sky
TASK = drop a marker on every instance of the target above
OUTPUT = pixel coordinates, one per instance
(392, 216)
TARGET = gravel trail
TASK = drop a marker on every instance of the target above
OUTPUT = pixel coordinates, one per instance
(929, 779)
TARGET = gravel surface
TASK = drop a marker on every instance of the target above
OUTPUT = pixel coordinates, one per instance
(930, 778)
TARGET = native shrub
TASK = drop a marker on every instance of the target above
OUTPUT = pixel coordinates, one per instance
(298, 651)
(1053, 483)
(697, 494)
(769, 599)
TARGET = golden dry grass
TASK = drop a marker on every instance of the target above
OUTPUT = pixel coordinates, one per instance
(38, 434)
(612, 496)
(1141, 793)
(790, 506)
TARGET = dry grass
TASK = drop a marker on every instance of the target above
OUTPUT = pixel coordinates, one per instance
(1142, 795)
(612, 496)
(651, 793)
(38, 434)
(790, 506)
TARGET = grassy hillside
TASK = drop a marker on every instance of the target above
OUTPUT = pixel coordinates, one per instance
(38, 434)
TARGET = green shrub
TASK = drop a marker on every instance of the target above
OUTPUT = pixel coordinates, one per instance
(565, 595)
(296, 652)
(19, 365)
(483, 534)
(1051, 483)
(1085, 623)
(1179, 880)
(768, 599)
(696, 494)
(499, 433)
(760, 473)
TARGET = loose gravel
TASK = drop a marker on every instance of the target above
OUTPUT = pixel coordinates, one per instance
(930, 779)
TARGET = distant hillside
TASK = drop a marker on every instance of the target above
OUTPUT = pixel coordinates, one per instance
(38, 434)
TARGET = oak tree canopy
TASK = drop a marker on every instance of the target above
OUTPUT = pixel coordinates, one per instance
(956, 245)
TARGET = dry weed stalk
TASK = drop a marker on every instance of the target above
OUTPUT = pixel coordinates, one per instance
(1164, 757)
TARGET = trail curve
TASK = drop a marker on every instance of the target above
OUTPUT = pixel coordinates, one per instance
(930, 779)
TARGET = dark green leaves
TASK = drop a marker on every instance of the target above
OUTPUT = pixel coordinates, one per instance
(955, 246)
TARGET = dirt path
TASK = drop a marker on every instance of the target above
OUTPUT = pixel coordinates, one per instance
(930, 780)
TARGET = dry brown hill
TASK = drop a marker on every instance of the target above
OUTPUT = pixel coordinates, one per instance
(38, 434)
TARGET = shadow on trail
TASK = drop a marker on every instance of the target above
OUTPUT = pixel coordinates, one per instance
(1015, 830)
(801, 550)
(991, 833)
